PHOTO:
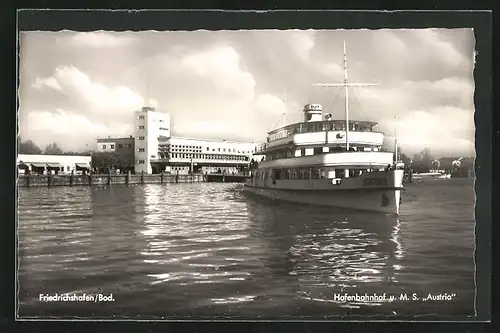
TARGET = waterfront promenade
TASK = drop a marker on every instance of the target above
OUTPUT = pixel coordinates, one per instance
(122, 179)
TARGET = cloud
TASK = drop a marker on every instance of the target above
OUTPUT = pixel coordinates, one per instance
(301, 42)
(448, 55)
(50, 82)
(60, 125)
(439, 128)
(100, 39)
(229, 84)
(221, 65)
(71, 80)
(271, 104)
(333, 70)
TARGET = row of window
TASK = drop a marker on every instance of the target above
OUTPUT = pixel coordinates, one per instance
(112, 146)
(207, 157)
(317, 151)
(318, 127)
(143, 117)
(305, 173)
(142, 127)
(198, 149)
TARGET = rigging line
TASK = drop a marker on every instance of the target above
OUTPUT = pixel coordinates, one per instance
(359, 104)
(330, 108)
(275, 125)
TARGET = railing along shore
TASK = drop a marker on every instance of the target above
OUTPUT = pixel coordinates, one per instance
(32, 180)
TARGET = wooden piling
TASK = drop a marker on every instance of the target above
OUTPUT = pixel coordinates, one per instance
(71, 178)
(49, 180)
(161, 178)
(142, 177)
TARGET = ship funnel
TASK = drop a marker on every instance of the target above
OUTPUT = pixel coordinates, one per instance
(313, 112)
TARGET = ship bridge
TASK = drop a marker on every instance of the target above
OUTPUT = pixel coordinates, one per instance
(331, 133)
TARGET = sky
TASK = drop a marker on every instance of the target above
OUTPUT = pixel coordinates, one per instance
(236, 85)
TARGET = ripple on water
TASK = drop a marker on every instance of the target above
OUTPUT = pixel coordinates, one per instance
(210, 248)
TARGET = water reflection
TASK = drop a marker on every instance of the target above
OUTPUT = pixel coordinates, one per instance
(331, 251)
(115, 240)
(53, 239)
(202, 250)
(399, 251)
(192, 244)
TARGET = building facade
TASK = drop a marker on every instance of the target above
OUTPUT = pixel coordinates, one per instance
(122, 146)
(157, 151)
(188, 155)
(150, 126)
(53, 164)
(114, 153)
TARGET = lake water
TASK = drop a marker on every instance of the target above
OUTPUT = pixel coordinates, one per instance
(210, 250)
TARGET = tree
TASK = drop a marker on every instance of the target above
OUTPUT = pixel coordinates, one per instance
(113, 160)
(27, 147)
(423, 162)
(403, 157)
(53, 149)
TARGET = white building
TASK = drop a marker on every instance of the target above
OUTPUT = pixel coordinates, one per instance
(156, 150)
(183, 155)
(54, 164)
(149, 126)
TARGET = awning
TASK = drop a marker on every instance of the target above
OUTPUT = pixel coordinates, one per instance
(82, 165)
(54, 165)
(39, 165)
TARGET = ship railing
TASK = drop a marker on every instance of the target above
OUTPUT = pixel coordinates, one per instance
(321, 126)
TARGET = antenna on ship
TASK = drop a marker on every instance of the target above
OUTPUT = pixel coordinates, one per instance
(346, 85)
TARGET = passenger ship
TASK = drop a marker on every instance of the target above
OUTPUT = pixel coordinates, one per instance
(338, 163)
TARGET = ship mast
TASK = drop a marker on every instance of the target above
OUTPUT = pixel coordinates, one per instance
(346, 85)
(346, 101)
(396, 141)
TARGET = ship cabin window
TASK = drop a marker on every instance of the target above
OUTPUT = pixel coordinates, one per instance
(315, 173)
(276, 174)
(318, 150)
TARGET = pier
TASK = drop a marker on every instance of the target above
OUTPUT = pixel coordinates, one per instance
(34, 180)
(103, 179)
(222, 178)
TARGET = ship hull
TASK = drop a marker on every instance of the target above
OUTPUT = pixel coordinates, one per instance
(378, 200)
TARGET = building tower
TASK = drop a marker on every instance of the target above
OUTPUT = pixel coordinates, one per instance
(150, 126)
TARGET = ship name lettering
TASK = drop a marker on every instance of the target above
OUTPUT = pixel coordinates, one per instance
(371, 182)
